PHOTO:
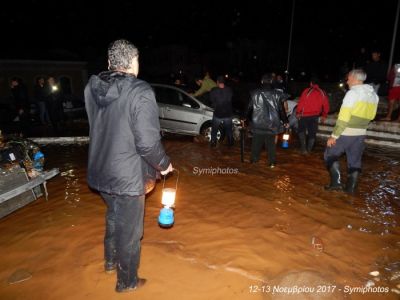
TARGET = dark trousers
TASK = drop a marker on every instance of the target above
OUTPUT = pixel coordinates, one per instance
(309, 124)
(227, 123)
(43, 113)
(258, 140)
(353, 146)
(124, 230)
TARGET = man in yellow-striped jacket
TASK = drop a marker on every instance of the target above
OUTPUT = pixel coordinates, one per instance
(358, 109)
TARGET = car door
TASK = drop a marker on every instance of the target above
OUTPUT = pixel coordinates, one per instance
(178, 112)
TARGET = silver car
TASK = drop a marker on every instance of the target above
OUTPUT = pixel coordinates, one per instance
(183, 114)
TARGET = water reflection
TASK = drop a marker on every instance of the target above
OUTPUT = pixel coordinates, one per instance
(283, 183)
(72, 186)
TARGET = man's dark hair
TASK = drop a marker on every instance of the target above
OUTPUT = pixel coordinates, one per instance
(221, 79)
(267, 78)
(120, 54)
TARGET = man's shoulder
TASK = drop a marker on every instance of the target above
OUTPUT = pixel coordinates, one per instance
(256, 91)
(139, 85)
(214, 90)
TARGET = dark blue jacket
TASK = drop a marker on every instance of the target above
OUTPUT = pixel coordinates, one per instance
(221, 101)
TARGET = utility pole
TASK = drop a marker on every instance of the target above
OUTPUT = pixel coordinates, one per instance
(396, 22)
(290, 43)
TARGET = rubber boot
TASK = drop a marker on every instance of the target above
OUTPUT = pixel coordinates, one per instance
(310, 144)
(352, 179)
(302, 140)
(334, 172)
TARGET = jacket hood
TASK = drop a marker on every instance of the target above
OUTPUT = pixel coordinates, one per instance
(365, 89)
(107, 86)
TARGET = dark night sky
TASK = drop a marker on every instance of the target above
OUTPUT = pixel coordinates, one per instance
(323, 36)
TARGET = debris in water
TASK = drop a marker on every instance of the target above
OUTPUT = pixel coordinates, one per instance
(19, 276)
(395, 276)
(317, 243)
(374, 273)
(396, 291)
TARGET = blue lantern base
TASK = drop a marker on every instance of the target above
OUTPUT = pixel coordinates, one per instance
(166, 217)
(285, 144)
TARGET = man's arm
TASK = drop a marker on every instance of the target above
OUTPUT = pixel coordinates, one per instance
(200, 91)
(325, 107)
(146, 128)
(282, 112)
(300, 104)
(88, 107)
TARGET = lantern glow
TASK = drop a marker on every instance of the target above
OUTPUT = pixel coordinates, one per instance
(166, 217)
(285, 139)
(168, 197)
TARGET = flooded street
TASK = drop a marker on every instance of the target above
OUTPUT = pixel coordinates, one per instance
(242, 231)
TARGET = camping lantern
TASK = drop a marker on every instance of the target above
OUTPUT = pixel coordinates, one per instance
(38, 160)
(285, 139)
(166, 217)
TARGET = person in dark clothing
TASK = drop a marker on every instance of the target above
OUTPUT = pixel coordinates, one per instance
(20, 94)
(376, 72)
(221, 101)
(312, 104)
(279, 83)
(40, 99)
(20, 105)
(54, 100)
(268, 118)
(125, 156)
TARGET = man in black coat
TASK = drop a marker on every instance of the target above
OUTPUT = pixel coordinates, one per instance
(377, 73)
(125, 153)
(268, 118)
(221, 101)
(21, 106)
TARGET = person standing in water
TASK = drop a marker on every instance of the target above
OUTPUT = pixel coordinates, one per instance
(125, 155)
(358, 109)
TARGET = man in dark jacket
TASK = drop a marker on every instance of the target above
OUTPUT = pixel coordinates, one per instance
(221, 101)
(377, 73)
(125, 153)
(21, 103)
(267, 114)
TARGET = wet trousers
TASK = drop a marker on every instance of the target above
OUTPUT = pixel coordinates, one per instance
(227, 123)
(353, 146)
(309, 124)
(258, 140)
(124, 230)
(43, 113)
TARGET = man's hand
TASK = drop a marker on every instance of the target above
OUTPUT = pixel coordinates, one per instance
(323, 119)
(286, 125)
(331, 142)
(169, 169)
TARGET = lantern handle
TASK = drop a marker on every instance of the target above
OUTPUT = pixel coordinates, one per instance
(177, 178)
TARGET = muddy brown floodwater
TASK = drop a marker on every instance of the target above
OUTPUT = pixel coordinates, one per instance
(244, 232)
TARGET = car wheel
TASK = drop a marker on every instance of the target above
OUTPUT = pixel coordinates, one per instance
(205, 133)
